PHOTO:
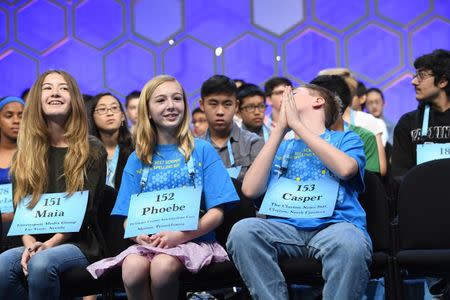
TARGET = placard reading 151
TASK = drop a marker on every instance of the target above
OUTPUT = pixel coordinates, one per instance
(6, 198)
(171, 209)
(54, 213)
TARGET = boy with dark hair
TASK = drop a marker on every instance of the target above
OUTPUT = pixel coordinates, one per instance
(421, 132)
(131, 108)
(252, 107)
(329, 165)
(199, 122)
(424, 134)
(237, 147)
(375, 156)
(274, 89)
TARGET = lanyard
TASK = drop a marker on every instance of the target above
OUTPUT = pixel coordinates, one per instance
(111, 167)
(287, 154)
(352, 117)
(426, 118)
(229, 149)
(265, 133)
(146, 171)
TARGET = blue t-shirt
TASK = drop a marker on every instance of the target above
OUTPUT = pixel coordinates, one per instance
(169, 170)
(4, 176)
(303, 164)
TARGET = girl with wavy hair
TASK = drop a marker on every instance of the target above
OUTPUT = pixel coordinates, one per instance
(168, 158)
(54, 154)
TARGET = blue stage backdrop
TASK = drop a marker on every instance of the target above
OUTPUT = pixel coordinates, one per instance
(116, 46)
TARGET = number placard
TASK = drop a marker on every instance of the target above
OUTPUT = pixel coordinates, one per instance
(174, 209)
(54, 213)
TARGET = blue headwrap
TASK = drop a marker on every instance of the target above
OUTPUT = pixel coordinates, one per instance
(10, 99)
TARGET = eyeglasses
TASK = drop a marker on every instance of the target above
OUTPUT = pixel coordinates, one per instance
(251, 107)
(422, 75)
(104, 110)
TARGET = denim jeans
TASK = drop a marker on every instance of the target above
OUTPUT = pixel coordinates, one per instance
(43, 272)
(344, 250)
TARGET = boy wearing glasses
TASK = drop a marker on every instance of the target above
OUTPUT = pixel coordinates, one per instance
(236, 147)
(252, 108)
(413, 137)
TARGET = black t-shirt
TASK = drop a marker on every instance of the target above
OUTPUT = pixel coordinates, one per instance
(408, 134)
(89, 236)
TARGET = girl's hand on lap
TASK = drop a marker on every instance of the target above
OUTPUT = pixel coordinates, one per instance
(169, 239)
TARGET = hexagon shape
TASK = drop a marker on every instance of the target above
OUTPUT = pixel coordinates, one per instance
(442, 8)
(40, 25)
(98, 30)
(187, 57)
(219, 23)
(87, 71)
(402, 12)
(16, 64)
(128, 67)
(250, 57)
(277, 19)
(4, 27)
(157, 20)
(335, 15)
(400, 97)
(383, 57)
(428, 37)
(309, 52)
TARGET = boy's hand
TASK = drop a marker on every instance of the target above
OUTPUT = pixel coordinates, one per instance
(282, 124)
(290, 107)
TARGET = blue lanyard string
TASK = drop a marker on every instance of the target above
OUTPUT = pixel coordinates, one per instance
(426, 119)
(229, 149)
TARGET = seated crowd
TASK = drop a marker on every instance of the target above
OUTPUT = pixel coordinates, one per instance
(176, 176)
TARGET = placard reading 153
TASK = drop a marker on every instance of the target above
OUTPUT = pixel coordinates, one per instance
(54, 213)
(172, 209)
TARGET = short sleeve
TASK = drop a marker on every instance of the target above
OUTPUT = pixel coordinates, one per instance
(129, 185)
(352, 145)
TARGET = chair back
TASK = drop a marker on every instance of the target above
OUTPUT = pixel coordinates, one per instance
(424, 207)
(375, 202)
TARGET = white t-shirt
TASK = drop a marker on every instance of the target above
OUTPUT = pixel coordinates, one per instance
(370, 123)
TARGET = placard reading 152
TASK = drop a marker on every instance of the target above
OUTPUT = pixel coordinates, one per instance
(54, 213)
(174, 209)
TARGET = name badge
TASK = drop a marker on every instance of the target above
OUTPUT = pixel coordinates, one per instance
(54, 213)
(6, 198)
(170, 209)
(288, 198)
(234, 171)
(432, 151)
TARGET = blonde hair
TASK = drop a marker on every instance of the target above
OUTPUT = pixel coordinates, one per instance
(145, 135)
(30, 164)
(346, 74)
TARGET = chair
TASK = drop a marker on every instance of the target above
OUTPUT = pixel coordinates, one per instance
(422, 231)
(375, 202)
(78, 282)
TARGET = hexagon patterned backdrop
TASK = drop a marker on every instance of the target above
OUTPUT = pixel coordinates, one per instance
(117, 45)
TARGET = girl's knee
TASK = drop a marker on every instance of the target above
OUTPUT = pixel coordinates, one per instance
(135, 269)
(165, 268)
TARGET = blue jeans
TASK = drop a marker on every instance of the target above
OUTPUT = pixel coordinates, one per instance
(344, 250)
(43, 272)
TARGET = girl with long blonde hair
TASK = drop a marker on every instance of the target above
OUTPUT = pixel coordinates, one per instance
(171, 159)
(54, 154)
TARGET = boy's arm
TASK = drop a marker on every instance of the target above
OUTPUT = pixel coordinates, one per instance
(341, 164)
(255, 180)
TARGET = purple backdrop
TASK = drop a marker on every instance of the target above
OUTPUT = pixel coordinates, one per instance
(113, 45)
